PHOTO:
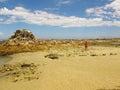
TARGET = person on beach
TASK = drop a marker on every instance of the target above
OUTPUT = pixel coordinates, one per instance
(86, 45)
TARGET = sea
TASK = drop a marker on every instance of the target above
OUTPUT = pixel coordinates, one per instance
(2, 62)
(4, 59)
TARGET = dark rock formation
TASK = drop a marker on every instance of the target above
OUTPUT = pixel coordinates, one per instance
(21, 37)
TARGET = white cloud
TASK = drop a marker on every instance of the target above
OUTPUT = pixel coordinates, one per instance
(20, 14)
(51, 9)
(63, 2)
(3, 1)
(110, 11)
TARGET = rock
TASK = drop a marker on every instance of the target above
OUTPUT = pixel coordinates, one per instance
(20, 71)
(103, 54)
(21, 37)
(15, 80)
(113, 53)
(52, 56)
(25, 65)
(93, 55)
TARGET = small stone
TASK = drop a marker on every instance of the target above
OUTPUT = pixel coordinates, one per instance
(7, 69)
(52, 56)
(15, 80)
(37, 77)
(113, 53)
(93, 55)
(103, 54)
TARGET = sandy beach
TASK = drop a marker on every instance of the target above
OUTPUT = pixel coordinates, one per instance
(74, 69)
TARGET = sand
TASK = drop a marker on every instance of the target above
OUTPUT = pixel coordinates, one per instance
(98, 68)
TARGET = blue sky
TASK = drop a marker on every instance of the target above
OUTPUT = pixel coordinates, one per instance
(61, 19)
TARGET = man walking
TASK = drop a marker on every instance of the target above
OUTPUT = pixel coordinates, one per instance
(86, 45)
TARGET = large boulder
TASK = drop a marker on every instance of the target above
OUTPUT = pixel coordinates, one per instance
(21, 37)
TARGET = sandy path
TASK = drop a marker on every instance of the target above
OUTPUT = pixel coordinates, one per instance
(70, 73)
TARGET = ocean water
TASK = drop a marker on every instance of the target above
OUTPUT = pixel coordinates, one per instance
(2, 62)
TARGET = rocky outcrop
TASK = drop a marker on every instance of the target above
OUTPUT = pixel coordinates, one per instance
(21, 37)
(20, 72)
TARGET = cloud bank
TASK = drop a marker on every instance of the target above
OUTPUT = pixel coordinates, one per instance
(109, 11)
(107, 15)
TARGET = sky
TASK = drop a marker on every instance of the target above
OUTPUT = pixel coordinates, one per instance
(61, 19)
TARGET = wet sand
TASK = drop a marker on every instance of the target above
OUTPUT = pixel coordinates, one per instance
(1, 62)
(98, 68)
(4, 59)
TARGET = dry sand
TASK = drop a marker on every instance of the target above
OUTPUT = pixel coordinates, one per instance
(95, 69)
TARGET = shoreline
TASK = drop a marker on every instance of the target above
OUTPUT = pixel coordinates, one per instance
(5, 59)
